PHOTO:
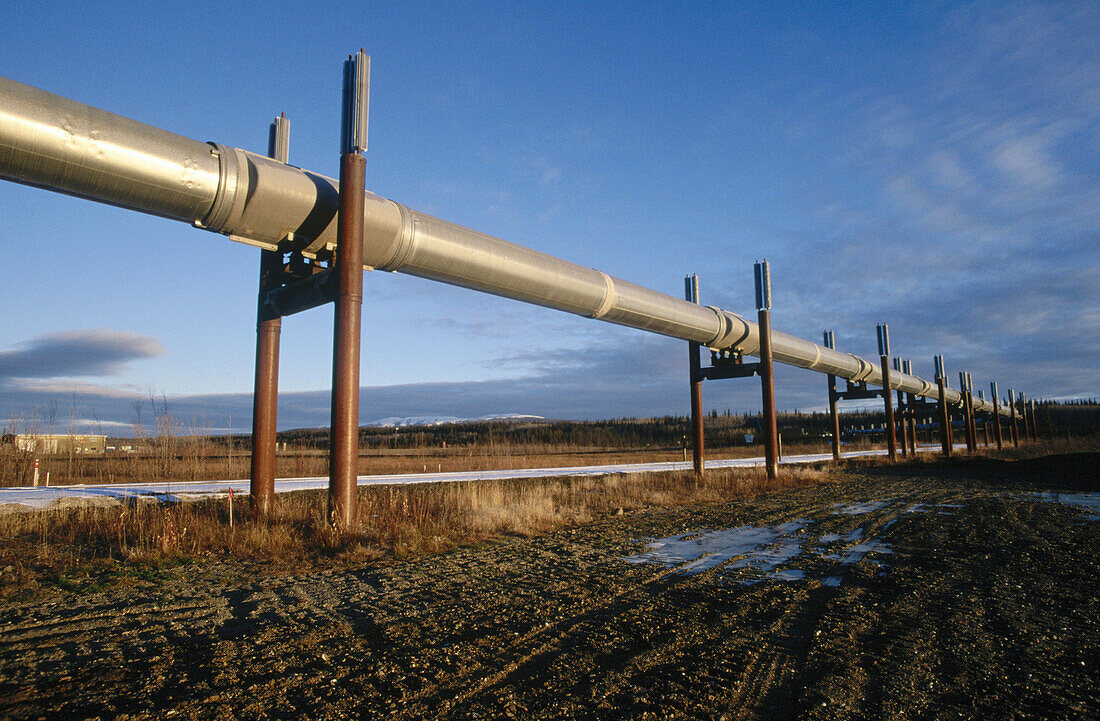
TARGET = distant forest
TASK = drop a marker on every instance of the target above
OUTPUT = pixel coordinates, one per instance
(1080, 417)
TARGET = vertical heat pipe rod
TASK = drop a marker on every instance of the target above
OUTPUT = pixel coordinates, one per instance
(900, 420)
(1015, 426)
(945, 413)
(829, 340)
(911, 418)
(265, 396)
(996, 415)
(884, 361)
(691, 293)
(344, 431)
(767, 367)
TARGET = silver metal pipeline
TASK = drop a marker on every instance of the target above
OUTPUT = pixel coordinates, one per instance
(62, 145)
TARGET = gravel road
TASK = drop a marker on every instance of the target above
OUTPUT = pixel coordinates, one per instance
(919, 591)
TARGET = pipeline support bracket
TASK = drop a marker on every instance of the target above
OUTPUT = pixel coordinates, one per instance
(858, 391)
(301, 284)
(726, 364)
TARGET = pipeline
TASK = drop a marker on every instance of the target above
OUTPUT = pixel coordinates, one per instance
(62, 145)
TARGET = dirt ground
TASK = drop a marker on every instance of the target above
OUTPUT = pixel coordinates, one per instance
(926, 591)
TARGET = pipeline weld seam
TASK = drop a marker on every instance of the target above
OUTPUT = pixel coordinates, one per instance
(608, 296)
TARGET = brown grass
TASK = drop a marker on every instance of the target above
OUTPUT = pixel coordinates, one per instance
(85, 547)
(203, 461)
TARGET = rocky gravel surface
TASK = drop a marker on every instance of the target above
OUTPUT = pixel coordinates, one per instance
(938, 591)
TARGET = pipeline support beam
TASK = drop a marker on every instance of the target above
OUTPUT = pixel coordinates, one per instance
(265, 395)
(1012, 410)
(945, 419)
(691, 293)
(901, 414)
(344, 431)
(767, 393)
(996, 415)
(829, 341)
(763, 281)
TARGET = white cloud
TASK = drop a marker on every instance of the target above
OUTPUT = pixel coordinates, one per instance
(1026, 161)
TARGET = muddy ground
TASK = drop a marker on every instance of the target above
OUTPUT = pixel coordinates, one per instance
(930, 591)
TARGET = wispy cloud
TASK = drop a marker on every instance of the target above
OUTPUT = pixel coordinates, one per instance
(977, 234)
(77, 353)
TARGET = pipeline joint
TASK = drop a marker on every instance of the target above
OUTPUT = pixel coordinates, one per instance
(608, 296)
(721, 341)
(228, 202)
(864, 371)
(406, 241)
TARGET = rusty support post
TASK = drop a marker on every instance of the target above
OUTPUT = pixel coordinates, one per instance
(691, 293)
(971, 436)
(1033, 433)
(767, 368)
(946, 440)
(971, 417)
(1023, 418)
(767, 391)
(945, 419)
(900, 422)
(996, 416)
(265, 394)
(967, 418)
(910, 416)
(887, 401)
(834, 419)
(888, 406)
(972, 422)
(1012, 411)
(344, 432)
(985, 422)
(834, 415)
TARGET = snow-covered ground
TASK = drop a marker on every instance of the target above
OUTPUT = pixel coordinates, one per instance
(28, 497)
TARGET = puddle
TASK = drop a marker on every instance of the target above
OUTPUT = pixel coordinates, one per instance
(1088, 502)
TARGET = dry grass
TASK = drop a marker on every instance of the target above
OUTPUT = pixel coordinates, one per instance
(85, 547)
(203, 462)
(82, 547)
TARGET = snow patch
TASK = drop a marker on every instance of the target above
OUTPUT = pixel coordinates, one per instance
(1088, 502)
(856, 509)
(758, 552)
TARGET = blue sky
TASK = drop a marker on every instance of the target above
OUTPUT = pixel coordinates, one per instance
(933, 166)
